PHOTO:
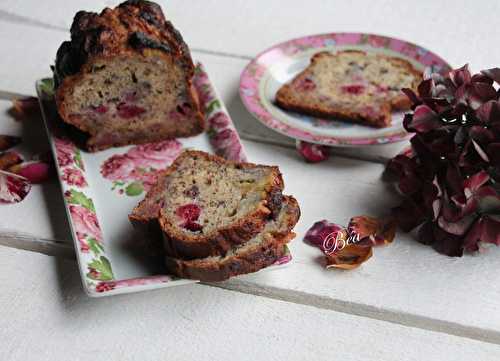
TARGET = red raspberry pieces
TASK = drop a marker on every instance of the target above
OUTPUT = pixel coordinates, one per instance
(354, 89)
(127, 111)
(189, 214)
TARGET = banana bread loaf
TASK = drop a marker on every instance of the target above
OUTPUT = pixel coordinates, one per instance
(126, 78)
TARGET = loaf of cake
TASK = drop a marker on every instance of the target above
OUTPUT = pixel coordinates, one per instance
(352, 85)
(218, 218)
(126, 78)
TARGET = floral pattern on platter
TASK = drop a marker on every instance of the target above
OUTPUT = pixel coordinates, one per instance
(136, 171)
(255, 71)
(220, 128)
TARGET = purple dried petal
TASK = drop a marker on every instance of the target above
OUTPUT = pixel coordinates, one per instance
(408, 215)
(474, 182)
(425, 89)
(458, 227)
(494, 153)
(313, 153)
(489, 112)
(35, 171)
(481, 134)
(460, 76)
(481, 78)
(8, 141)
(321, 232)
(493, 74)
(480, 151)
(13, 188)
(424, 119)
(412, 96)
(447, 243)
(26, 106)
(8, 159)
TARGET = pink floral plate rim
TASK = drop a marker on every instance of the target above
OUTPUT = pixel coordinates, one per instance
(93, 258)
(256, 71)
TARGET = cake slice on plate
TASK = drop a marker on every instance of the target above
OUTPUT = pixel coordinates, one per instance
(204, 204)
(126, 78)
(352, 85)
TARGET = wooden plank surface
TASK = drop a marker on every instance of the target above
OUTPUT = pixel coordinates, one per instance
(49, 318)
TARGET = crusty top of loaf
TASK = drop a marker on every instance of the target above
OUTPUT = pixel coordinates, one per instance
(130, 27)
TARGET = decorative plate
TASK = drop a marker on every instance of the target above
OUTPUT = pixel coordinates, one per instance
(100, 189)
(262, 78)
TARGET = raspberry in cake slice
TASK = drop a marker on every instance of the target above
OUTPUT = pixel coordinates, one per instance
(205, 204)
(351, 85)
(126, 78)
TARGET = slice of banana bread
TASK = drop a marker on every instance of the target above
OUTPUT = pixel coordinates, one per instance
(126, 78)
(261, 251)
(351, 85)
(205, 204)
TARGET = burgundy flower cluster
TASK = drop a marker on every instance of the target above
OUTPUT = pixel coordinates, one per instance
(450, 178)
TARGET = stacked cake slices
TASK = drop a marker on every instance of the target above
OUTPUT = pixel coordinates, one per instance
(218, 218)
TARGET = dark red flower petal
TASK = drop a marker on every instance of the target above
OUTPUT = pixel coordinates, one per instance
(412, 96)
(493, 151)
(35, 171)
(372, 231)
(8, 159)
(8, 141)
(474, 182)
(349, 257)
(493, 74)
(313, 153)
(321, 232)
(489, 112)
(13, 188)
(460, 76)
(423, 120)
(26, 106)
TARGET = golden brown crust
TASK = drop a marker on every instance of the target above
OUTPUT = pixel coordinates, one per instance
(263, 255)
(148, 214)
(287, 99)
(134, 28)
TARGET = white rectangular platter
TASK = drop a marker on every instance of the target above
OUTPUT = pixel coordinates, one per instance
(100, 189)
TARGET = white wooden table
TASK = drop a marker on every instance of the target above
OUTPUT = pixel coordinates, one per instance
(406, 303)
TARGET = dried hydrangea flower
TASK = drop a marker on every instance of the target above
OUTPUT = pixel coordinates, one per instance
(25, 106)
(450, 177)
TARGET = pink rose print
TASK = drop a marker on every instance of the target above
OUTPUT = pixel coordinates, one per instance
(377, 41)
(155, 155)
(118, 167)
(105, 286)
(64, 151)
(219, 121)
(227, 143)
(85, 222)
(141, 165)
(84, 247)
(74, 177)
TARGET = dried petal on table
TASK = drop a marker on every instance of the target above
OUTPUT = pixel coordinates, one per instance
(25, 106)
(349, 257)
(13, 188)
(313, 153)
(8, 159)
(8, 141)
(372, 230)
(321, 232)
(35, 171)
